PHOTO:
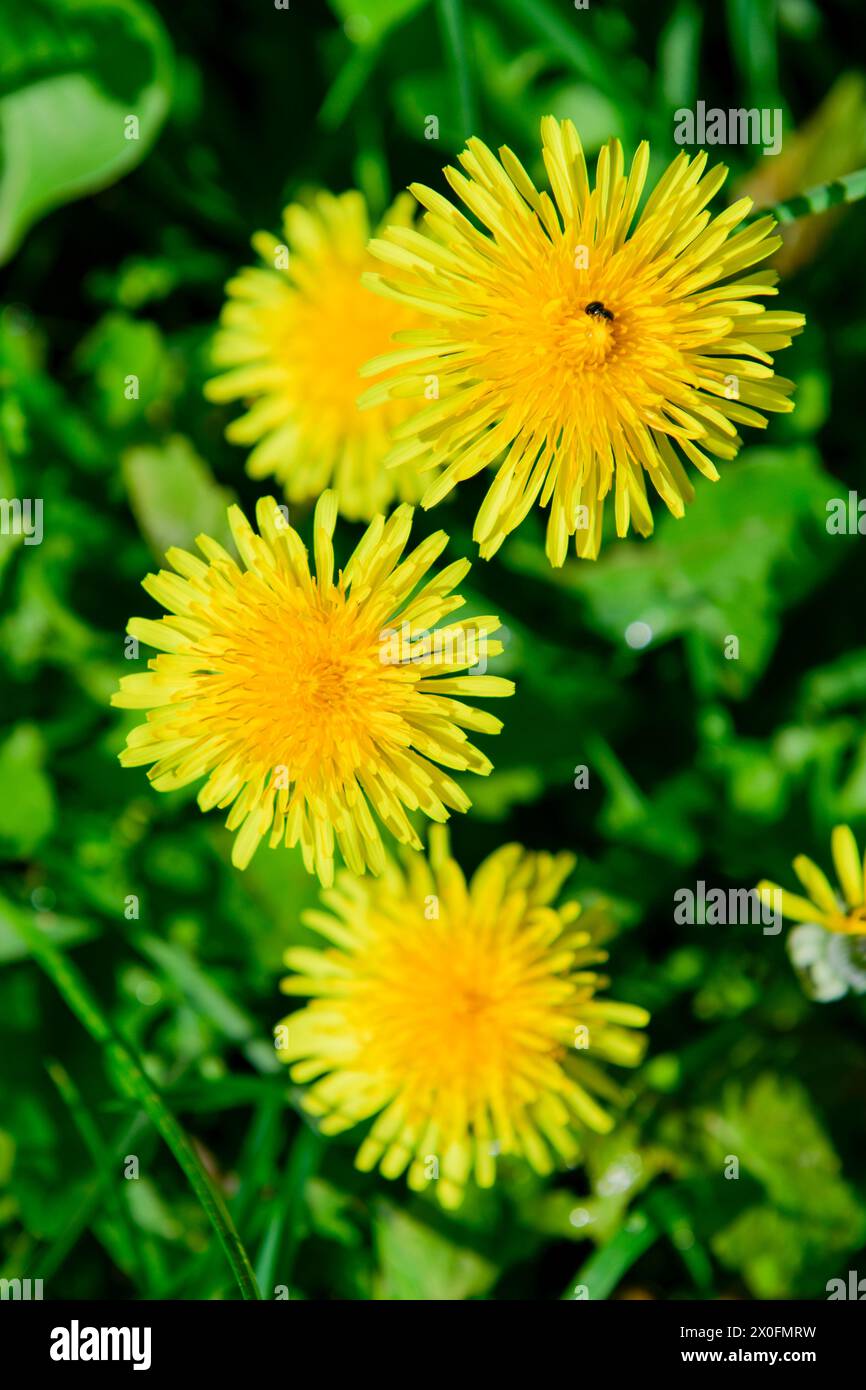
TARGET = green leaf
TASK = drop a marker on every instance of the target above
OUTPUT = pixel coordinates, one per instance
(747, 547)
(72, 73)
(209, 999)
(812, 1214)
(618, 1168)
(333, 1214)
(766, 1247)
(752, 30)
(174, 496)
(595, 114)
(416, 1262)
(27, 806)
(125, 1247)
(118, 349)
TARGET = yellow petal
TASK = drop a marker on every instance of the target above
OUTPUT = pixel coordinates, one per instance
(794, 908)
(816, 883)
(846, 858)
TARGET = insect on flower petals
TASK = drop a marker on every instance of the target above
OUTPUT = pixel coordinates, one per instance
(584, 345)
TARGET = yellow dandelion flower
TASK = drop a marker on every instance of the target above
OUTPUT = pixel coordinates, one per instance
(841, 909)
(313, 705)
(578, 353)
(294, 335)
(464, 1017)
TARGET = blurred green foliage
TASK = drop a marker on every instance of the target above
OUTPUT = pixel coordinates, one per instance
(700, 767)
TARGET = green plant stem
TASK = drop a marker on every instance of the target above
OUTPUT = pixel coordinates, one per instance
(131, 1080)
(348, 85)
(849, 189)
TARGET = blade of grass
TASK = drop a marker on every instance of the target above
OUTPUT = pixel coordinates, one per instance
(257, 1164)
(260, 1154)
(679, 55)
(673, 1215)
(130, 1256)
(752, 31)
(663, 1213)
(604, 1269)
(66, 1240)
(348, 85)
(303, 1161)
(370, 167)
(452, 21)
(627, 805)
(129, 1076)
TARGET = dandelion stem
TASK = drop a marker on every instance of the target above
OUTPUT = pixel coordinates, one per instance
(849, 189)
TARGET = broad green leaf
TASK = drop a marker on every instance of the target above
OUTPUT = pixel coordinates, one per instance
(174, 496)
(595, 114)
(84, 89)
(149, 1210)
(416, 1262)
(747, 547)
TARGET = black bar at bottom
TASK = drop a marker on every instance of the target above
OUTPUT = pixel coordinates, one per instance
(84, 1340)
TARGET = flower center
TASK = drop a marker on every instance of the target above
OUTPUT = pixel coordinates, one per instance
(576, 334)
(335, 328)
(445, 1009)
(305, 686)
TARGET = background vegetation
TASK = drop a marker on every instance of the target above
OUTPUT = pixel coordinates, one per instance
(700, 767)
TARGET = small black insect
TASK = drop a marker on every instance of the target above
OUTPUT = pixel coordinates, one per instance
(596, 310)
